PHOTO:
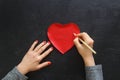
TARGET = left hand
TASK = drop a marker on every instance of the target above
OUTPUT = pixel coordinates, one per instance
(31, 61)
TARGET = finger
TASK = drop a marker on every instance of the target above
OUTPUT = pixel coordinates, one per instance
(46, 53)
(86, 38)
(83, 35)
(43, 48)
(39, 46)
(44, 64)
(74, 34)
(33, 45)
(77, 43)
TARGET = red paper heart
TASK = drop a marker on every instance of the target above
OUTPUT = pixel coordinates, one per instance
(61, 36)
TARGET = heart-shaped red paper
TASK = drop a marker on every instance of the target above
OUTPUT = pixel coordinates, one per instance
(61, 36)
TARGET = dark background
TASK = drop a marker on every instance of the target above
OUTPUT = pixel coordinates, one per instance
(23, 21)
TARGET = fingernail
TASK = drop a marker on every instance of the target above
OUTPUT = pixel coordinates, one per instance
(44, 42)
(49, 62)
(51, 48)
(36, 40)
(74, 34)
(48, 42)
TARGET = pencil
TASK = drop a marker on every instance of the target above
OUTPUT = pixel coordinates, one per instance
(87, 46)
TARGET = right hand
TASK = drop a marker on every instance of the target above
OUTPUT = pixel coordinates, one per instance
(83, 50)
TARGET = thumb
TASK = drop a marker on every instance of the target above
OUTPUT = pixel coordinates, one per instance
(77, 43)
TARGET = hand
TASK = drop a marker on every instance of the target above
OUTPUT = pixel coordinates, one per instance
(31, 61)
(83, 50)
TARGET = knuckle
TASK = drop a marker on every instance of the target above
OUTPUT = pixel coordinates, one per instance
(42, 49)
(91, 42)
(43, 55)
(47, 52)
(84, 33)
(38, 58)
(75, 40)
(33, 56)
(29, 53)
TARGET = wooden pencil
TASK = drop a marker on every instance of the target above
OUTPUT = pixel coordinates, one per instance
(87, 46)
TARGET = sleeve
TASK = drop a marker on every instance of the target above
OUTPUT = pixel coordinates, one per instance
(14, 74)
(94, 72)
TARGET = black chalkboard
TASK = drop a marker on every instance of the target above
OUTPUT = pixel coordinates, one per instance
(23, 21)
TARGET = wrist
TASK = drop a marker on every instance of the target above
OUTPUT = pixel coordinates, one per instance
(22, 69)
(89, 61)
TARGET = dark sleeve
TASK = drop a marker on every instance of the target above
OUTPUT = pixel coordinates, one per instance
(14, 74)
(94, 72)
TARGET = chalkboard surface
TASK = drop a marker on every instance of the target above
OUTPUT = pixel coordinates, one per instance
(23, 21)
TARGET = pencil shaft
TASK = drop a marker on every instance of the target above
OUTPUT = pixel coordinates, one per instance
(87, 46)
